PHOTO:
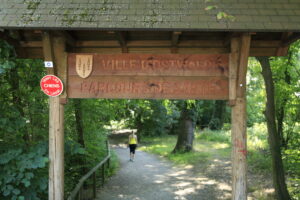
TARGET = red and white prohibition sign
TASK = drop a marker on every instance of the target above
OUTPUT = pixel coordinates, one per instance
(51, 85)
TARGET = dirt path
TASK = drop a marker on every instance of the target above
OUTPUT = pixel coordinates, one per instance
(151, 177)
(154, 178)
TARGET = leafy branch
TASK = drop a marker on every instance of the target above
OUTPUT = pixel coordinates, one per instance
(221, 14)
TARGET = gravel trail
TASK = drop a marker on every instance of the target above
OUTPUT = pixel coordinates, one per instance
(150, 177)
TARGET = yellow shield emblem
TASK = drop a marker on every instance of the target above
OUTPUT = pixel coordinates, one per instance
(84, 65)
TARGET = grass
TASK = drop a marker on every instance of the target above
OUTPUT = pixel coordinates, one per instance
(214, 144)
(209, 145)
(204, 150)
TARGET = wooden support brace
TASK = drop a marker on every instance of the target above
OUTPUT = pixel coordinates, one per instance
(283, 49)
(238, 64)
(174, 41)
(243, 64)
(121, 37)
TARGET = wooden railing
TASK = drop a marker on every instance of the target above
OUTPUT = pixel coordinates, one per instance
(77, 192)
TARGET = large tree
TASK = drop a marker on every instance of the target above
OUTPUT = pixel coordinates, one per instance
(186, 128)
(274, 138)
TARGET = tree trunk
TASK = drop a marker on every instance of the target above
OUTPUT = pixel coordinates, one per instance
(281, 109)
(274, 139)
(80, 133)
(186, 132)
(139, 126)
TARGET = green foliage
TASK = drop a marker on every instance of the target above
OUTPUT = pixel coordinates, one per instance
(220, 14)
(24, 126)
(214, 136)
(164, 145)
(149, 117)
(23, 173)
(256, 96)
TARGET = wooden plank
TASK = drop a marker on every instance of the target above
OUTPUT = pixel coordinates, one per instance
(116, 50)
(155, 65)
(140, 87)
(98, 43)
(32, 53)
(149, 43)
(157, 43)
(265, 43)
(203, 50)
(31, 44)
(151, 50)
(263, 51)
(56, 149)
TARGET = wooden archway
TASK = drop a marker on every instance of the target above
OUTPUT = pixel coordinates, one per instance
(216, 76)
(224, 77)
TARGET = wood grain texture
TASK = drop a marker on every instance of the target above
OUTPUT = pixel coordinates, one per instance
(48, 51)
(60, 61)
(243, 64)
(146, 87)
(56, 119)
(239, 150)
(155, 65)
(239, 122)
(56, 149)
(233, 67)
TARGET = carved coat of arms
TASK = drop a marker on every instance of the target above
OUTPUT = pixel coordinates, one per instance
(84, 65)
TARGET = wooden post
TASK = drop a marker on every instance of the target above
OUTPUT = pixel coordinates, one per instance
(56, 149)
(94, 185)
(54, 50)
(238, 64)
(103, 174)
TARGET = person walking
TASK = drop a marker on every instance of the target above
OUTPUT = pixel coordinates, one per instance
(132, 142)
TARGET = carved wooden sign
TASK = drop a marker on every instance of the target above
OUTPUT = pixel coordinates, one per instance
(148, 76)
(155, 65)
(84, 65)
